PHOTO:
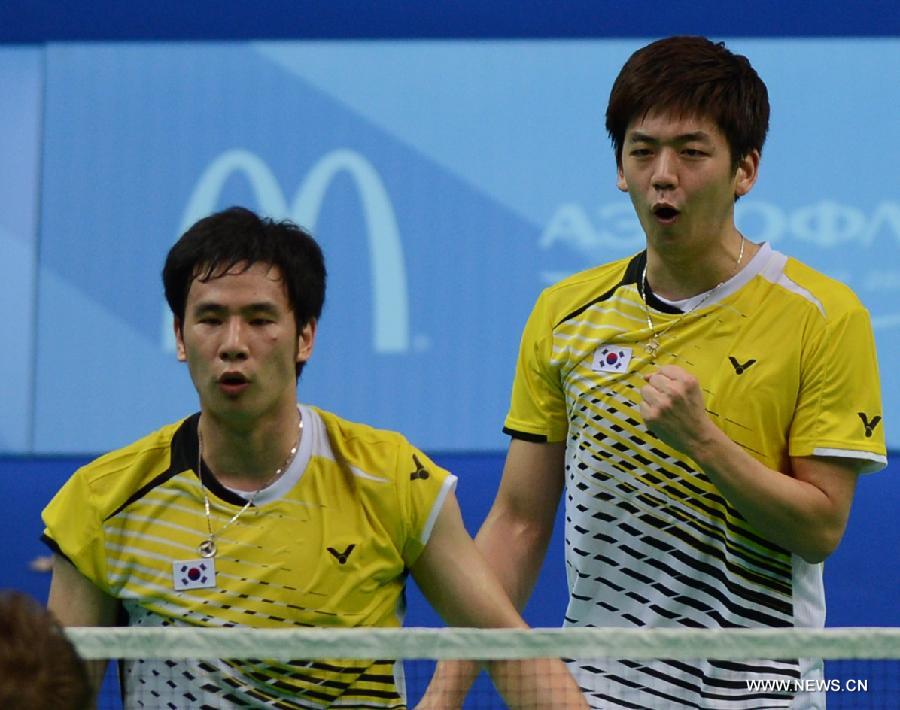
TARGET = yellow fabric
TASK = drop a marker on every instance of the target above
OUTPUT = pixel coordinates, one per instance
(813, 380)
(333, 550)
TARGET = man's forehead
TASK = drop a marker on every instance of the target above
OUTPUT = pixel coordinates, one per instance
(236, 278)
(215, 270)
(670, 122)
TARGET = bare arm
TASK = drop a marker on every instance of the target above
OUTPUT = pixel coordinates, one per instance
(459, 584)
(805, 512)
(513, 540)
(517, 530)
(76, 601)
(455, 579)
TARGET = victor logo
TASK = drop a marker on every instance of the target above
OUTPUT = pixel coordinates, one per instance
(420, 472)
(740, 367)
(869, 424)
(341, 556)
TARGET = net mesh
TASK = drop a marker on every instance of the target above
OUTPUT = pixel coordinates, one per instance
(183, 667)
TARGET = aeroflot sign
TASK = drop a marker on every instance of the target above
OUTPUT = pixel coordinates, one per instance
(388, 270)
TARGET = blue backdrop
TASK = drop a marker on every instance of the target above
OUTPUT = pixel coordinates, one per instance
(448, 182)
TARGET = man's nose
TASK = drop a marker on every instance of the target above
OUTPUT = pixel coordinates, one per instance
(233, 346)
(665, 173)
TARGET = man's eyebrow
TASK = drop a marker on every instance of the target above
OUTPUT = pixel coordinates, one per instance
(639, 137)
(702, 136)
(207, 306)
(266, 306)
(262, 306)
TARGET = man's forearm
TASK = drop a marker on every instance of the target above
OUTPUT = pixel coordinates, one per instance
(805, 517)
(536, 684)
(804, 511)
(514, 551)
(532, 684)
(514, 557)
(449, 685)
(513, 541)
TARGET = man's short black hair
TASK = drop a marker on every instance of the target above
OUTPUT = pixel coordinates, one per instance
(691, 76)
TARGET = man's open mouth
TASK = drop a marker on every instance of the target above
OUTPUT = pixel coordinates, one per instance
(233, 378)
(665, 213)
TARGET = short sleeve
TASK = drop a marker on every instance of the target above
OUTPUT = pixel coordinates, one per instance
(72, 527)
(537, 409)
(839, 411)
(423, 487)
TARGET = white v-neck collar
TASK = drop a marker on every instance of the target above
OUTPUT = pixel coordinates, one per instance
(312, 425)
(726, 288)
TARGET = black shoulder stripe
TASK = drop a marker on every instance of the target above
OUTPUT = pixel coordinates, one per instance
(631, 276)
(178, 461)
(654, 302)
(53, 545)
(185, 447)
(525, 436)
(212, 485)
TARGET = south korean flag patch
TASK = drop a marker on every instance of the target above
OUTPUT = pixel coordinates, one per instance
(194, 574)
(611, 358)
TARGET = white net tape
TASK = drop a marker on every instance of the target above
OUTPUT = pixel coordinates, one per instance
(460, 643)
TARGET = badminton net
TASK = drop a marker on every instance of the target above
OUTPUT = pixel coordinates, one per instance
(637, 668)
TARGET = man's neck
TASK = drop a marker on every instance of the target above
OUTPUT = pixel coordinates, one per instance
(246, 456)
(676, 274)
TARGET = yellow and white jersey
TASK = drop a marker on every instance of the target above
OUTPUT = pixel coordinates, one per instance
(327, 544)
(786, 362)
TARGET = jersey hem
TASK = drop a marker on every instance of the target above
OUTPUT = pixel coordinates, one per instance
(446, 488)
(525, 436)
(872, 462)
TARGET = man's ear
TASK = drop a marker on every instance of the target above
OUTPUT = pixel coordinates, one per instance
(306, 338)
(620, 179)
(746, 173)
(180, 352)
